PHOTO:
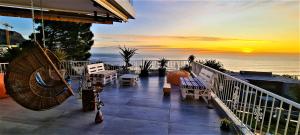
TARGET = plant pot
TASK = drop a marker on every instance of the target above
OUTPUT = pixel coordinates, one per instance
(225, 127)
(162, 72)
(144, 73)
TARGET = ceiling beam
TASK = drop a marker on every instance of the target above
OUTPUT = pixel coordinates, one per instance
(57, 16)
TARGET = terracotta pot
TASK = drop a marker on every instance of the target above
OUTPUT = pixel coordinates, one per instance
(162, 72)
(174, 76)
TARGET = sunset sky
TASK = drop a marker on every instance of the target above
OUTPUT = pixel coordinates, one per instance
(194, 26)
(239, 26)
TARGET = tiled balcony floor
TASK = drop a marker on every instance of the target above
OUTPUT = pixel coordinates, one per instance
(141, 109)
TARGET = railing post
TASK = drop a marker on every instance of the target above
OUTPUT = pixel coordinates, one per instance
(258, 111)
(271, 115)
(245, 103)
(288, 120)
(263, 117)
(298, 124)
(278, 119)
(253, 108)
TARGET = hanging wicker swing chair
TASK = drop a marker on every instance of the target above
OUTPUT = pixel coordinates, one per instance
(34, 81)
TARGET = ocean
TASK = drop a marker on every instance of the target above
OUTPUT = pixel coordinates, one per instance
(277, 64)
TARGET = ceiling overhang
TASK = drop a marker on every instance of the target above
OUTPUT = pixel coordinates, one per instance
(85, 11)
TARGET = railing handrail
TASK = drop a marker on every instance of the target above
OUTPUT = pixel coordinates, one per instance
(297, 105)
(75, 61)
(138, 60)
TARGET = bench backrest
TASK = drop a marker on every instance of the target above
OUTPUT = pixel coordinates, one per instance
(207, 77)
(95, 68)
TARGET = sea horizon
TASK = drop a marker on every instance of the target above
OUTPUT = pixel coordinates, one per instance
(276, 63)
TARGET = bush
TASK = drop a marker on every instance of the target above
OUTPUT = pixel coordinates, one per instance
(10, 54)
(191, 59)
(214, 64)
(290, 76)
(225, 124)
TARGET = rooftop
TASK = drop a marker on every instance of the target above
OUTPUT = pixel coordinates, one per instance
(141, 109)
(270, 78)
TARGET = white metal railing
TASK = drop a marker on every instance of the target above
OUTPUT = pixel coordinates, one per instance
(76, 68)
(253, 109)
(172, 64)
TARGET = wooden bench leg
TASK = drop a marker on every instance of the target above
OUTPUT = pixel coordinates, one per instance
(209, 95)
(209, 101)
(183, 93)
(196, 94)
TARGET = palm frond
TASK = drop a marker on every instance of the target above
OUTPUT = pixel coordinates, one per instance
(163, 62)
(146, 65)
(126, 54)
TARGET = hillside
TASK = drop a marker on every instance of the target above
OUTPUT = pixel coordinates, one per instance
(15, 37)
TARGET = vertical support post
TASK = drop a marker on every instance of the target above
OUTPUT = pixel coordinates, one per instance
(239, 107)
(278, 119)
(271, 115)
(7, 37)
(257, 111)
(232, 93)
(245, 103)
(263, 118)
(32, 13)
(288, 120)
(298, 124)
(250, 101)
(43, 30)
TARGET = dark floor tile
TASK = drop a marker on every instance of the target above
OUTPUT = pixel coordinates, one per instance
(138, 110)
(183, 129)
(150, 102)
(195, 117)
(133, 126)
(144, 113)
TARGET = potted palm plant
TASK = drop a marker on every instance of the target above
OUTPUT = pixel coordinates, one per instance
(145, 67)
(126, 54)
(61, 56)
(162, 67)
(191, 59)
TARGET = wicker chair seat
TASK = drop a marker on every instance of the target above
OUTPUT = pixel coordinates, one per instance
(22, 84)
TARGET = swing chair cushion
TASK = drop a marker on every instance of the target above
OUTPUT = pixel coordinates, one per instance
(39, 79)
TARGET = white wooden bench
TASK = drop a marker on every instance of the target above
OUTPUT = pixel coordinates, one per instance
(198, 86)
(99, 74)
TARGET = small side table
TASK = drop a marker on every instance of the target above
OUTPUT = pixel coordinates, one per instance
(88, 100)
(129, 79)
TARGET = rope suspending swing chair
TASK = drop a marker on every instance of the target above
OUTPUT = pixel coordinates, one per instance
(33, 79)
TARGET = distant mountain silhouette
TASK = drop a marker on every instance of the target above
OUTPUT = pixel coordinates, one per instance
(15, 37)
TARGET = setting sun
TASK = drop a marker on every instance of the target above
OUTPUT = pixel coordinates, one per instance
(247, 50)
